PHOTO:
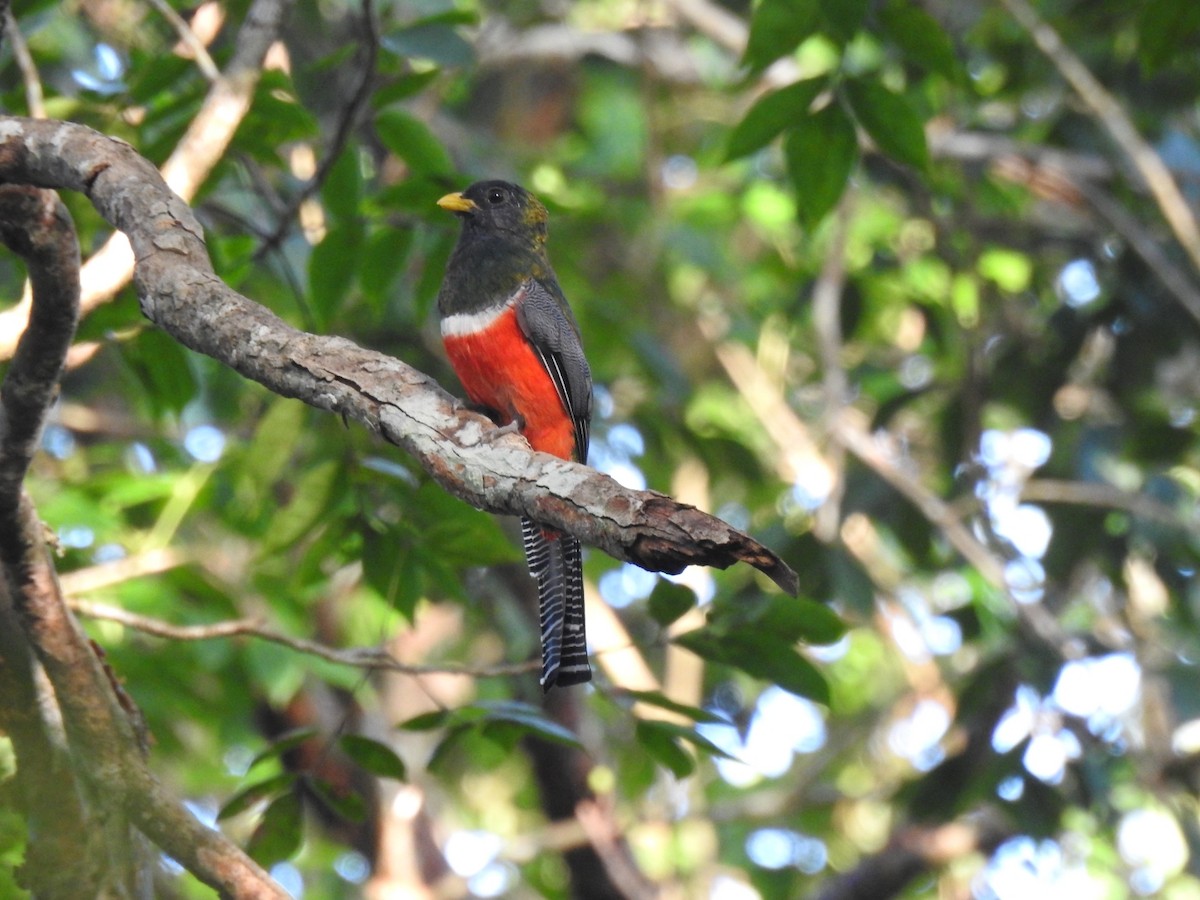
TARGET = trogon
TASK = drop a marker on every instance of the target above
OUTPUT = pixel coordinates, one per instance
(515, 346)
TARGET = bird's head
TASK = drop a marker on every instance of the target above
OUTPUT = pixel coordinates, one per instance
(499, 208)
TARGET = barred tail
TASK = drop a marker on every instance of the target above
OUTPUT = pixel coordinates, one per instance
(556, 561)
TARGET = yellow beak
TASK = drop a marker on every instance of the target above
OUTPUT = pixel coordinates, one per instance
(456, 202)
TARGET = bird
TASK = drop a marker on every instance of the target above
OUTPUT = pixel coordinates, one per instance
(515, 345)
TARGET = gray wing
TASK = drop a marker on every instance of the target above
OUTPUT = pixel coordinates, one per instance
(546, 320)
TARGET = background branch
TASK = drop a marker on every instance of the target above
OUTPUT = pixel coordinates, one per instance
(1117, 123)
(100, 727)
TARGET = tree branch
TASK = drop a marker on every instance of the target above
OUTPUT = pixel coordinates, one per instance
(1119, 126)
(358, 657)
(34, 96)
(188, 38)
(913, 851)
(1072, 178)
(180, 292)
(117, 789)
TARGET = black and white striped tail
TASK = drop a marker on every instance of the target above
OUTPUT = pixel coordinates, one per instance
(556, 561)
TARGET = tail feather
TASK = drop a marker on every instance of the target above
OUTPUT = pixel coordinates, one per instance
(556, 561)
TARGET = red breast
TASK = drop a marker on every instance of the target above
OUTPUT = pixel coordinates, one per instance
(501, 371)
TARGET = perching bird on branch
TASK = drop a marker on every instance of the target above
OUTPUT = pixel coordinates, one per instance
(515, 346)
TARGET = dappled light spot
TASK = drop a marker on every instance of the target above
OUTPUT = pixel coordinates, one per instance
(58, 441)
(77, 537)
(726, 887)
(289, 878)
(1027, 869)
(1077, 283)
(139, 458)
(1099, 689)
(205, 443)
(679, 172)
(105, 73)
(783, 725)
(352, 867)
(1151, 842)
(917, 737)
(781, 848)
(469, 852)
(626, 584)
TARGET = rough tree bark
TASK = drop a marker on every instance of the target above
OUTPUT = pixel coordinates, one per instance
(180, 292)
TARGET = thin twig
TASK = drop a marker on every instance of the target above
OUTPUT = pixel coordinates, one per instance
(1062, 180)
(199, 52)
(1120, 127)
(357, 657)
(876, 452)
(345, 125)
(1105, 496)
(827, 323)
(34, 97)
(873, 450)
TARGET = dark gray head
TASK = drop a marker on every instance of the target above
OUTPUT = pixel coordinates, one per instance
(500, 208)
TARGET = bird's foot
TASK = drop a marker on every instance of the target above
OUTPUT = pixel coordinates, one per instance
(513, 427)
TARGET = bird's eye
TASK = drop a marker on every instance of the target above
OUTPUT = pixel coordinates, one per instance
(496, 196)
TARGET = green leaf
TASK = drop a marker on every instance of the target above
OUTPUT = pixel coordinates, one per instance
(529, 717)
(440, 44)
(383, 261)
(288, 741)
(427, 721)
(771, 114)
(921, 39)
(711, 645)
(345, 801)
(761, 655)
(1011, 270)
(845, 17)
(664, 747)
(332, 267)
(403, 87)
(801, 620)
(310, 501)
(161, 365)
(434, 38)
(252, 794)
(821, 151)
(778, 27)
(654, 698)
(278, 835)
(777, 661)
(1165, 27)
(389, 568)
(851, 585)
(376, 757)
(270, 450)
(441, 753)
(890, 121)
(411, 140)
(342, 190)
(691, 735)
(669, 601)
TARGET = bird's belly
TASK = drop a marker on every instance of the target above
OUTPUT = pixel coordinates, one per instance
(501, 371)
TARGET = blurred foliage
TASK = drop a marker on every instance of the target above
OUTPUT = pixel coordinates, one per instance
(996, 318)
